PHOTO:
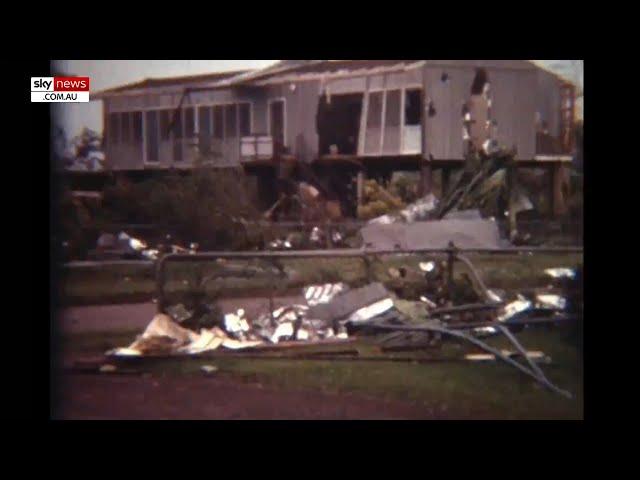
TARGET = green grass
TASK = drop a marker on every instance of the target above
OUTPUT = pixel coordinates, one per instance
(126, 283)
(453, 389)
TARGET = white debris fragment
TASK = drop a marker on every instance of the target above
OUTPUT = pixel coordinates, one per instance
(283, 330)
(552, 300)
(427, 266)
(493, 296)
(137, 245)
(430, 303)
(125, 352)
(482, 331)
(234, 323)
(151, 254)
(514, 308)
(560, 272)
(209, 369)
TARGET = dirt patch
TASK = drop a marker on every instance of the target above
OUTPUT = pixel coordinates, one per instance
(101, 397)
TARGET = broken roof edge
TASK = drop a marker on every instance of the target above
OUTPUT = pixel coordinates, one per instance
(561, 78)
(340, 74)
(170, 84)
(285, 71)
(298, 72)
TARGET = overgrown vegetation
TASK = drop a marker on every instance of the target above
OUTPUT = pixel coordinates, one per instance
(209, 206)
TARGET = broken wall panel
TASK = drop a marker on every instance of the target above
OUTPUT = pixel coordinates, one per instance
(444, 129)
(513, 108)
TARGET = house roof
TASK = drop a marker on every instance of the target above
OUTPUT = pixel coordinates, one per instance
(290, 70)
(179, 82)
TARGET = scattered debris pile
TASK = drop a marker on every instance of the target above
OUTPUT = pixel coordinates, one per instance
(330, 310)
(489, 184)
(486, 189)
(443, 307)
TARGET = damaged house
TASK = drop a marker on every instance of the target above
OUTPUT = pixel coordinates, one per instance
(337, 119)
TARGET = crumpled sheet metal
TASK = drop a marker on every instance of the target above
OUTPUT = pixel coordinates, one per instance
(434, 234)
(365, 314)
(326, 304)
(315, 294)
(346, 303)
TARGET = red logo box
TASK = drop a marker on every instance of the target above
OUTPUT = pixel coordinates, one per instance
(70, 84)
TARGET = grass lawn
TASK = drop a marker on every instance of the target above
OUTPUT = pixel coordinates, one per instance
(454, 389)
(127, 283)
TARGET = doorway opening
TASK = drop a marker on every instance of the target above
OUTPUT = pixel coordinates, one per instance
(338, 123)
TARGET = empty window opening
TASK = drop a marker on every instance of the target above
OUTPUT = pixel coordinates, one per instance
(218, 122)
(177, 135)
(137, 127)
(412, 107)
(114, 128)
(230, 121)
(189, 122)
(244, 119)
(177, 125)
(338, 124)
(151, 130)
(204, 121)
(480, 82)
(374, 117)
(126, 127)
(165, 120)
(276, 124)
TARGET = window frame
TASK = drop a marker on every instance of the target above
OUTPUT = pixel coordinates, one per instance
(118, 113)
(365, 119)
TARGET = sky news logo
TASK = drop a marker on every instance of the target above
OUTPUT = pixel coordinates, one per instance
(59, 89)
